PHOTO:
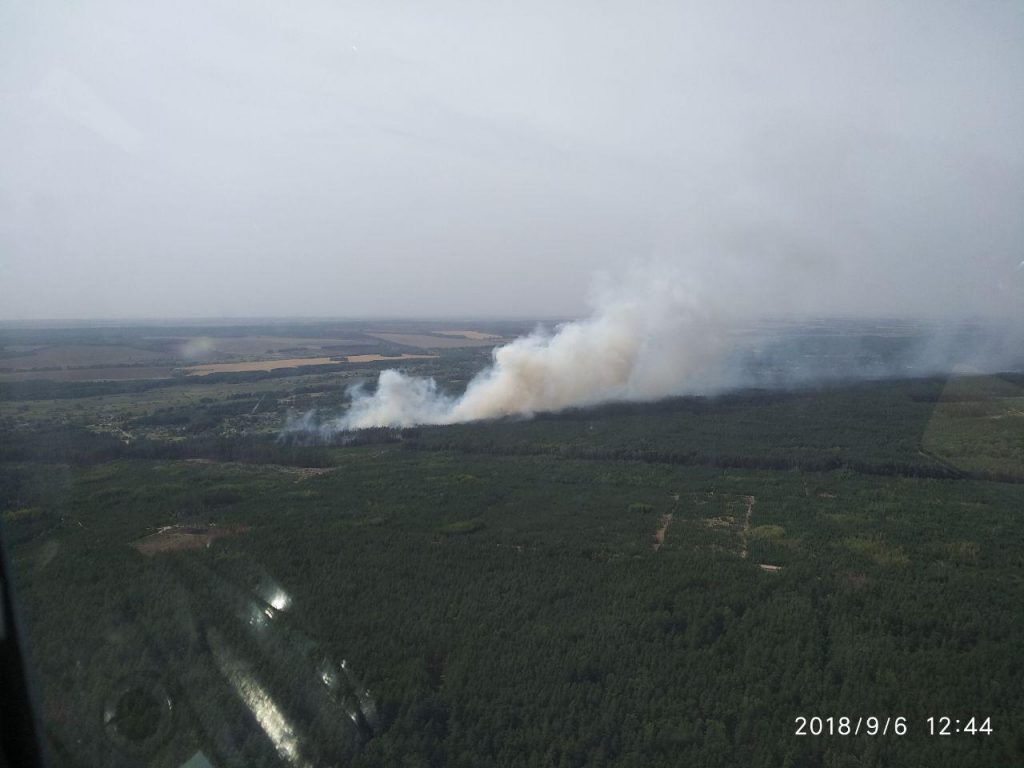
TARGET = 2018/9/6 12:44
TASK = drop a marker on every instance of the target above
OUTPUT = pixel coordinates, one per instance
(883, 726)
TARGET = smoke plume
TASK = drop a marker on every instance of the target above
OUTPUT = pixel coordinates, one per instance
(655, 337)
(657, 332)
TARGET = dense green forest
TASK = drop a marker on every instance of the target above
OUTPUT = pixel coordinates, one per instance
(630, 585)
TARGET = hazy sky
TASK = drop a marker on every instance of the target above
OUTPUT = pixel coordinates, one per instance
(216, 158)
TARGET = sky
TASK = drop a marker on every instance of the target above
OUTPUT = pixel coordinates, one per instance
(368, 159)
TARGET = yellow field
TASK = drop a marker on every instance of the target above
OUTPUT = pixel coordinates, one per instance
(258, 365)
(378, 358)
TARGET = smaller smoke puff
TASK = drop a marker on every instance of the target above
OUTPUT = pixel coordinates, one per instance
(399, 401)
(197, 348)
(650, 342)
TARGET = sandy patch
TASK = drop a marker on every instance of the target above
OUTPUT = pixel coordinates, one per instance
(659, 535)
(173, 538)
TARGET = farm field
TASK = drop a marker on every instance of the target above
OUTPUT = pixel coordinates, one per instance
(143, 352)
(120, 373)
(386, 358)
(258, 365)
(72, 356)
(442, 341)
(298, 362)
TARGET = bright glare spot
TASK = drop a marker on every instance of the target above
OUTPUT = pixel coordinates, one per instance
(281, 600)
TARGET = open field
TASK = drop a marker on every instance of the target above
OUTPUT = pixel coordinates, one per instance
(214, 347)
(170, 349)
(425, 341)
(123, 373)
(143, 353)
(272, 365)
(76, 356)
(386, 358)
(258, 365)
(475, 335)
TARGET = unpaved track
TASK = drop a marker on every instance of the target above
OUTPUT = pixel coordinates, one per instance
(666, 521)
(746, 525)
(659, 535)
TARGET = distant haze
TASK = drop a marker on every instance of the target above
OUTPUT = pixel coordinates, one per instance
(218, 159)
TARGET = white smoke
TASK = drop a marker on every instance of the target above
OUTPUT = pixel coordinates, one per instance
(654, 337)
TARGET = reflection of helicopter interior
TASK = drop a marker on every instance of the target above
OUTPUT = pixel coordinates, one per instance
(223, 677)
